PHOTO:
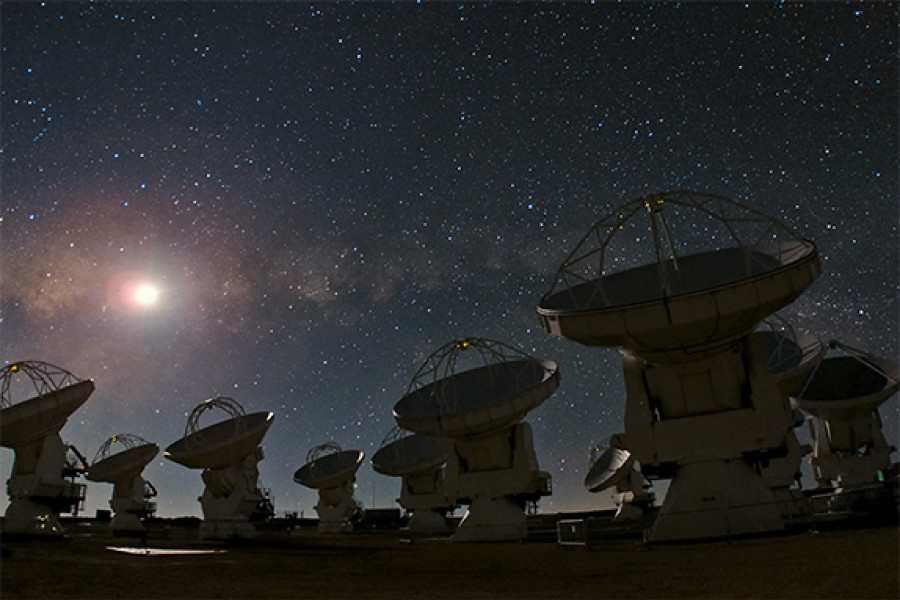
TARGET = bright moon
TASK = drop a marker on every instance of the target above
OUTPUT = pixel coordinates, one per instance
(132, 293)
(146, 294)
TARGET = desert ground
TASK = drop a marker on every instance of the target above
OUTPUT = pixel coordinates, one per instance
(861, 563)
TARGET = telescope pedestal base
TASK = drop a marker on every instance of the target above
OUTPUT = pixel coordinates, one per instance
(335, 508)
(335, 519)
(424, 520)
(229, 499)
(492, 520)
(126, 523)
(716, 499)
(335, 527)
(793, 505)
(127, 514)
(630, 511)
(28, 518)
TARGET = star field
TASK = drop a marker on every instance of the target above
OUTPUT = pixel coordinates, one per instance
(326, 193)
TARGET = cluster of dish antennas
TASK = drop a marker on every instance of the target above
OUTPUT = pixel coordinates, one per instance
(686, 285)
(461, 439)
(681, 282)
(36, 400)
(228, 453)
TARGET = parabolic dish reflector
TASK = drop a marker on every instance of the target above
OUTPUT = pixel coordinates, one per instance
(847, 387)
(221, 444)
(790, 357)
(448, 403)
(330, 470)
(127, 463)
(609, 469)
(59, 395)
(410, 455)
(642, 278)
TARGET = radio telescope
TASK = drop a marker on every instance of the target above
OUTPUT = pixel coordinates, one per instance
(479, 410)
(843, 396)
(427, 488)
(131, 499)
(679, 281)
(614, 468)
(791, 357)
(228, 452)
(38, 490)
(332, 471)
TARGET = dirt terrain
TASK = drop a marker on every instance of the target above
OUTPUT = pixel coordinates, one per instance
(836, 564)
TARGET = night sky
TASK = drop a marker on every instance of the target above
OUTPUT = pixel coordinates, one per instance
(325, 194)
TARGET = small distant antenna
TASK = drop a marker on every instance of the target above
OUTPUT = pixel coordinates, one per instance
(332, 471)
(615, 468)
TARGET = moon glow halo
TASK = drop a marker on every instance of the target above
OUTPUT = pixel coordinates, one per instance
(131, 292)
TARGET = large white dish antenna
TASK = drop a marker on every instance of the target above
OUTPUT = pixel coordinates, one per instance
(323, 471)
(38, 486)
(443, 401)
(58, 395)
(685, 290)
(222, 444)
(612, 467)
(680, 280)
(131, 492)
(475, 391)
(129, 463)
(410, 455)
(228, 452)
